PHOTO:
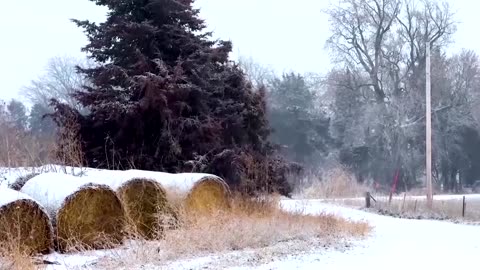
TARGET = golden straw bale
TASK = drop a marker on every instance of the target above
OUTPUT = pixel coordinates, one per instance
(146, 207)
(84, 215)
(25, 226)
(208, 194)
(90, 218)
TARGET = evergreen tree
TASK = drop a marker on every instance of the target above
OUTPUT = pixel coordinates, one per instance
(300, 127)
(166, 97)
(41, 126)
(17, 114)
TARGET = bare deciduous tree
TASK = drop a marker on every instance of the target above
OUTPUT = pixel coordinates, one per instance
(382, 44)
(259, 75)
(60, 81)
(359, 31)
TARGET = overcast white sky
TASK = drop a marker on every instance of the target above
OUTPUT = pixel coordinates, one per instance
(283, 34)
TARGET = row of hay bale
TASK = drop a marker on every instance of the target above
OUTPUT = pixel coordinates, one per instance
(62, 212)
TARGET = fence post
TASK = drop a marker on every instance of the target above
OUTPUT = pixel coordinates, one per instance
(403, 204)
(464, 205)
(367, 199)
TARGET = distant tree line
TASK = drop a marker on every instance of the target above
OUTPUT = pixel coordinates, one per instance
(368, 112)
(158, 93)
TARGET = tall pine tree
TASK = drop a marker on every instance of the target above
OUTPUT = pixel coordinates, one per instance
(166, 97)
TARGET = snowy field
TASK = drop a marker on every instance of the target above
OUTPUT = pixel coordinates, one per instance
(393, 244)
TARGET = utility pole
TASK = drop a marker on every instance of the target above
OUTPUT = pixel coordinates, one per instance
(428, 95)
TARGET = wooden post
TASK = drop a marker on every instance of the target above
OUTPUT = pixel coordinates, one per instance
(428, 167)
(464, 205)
(403, 205)
(367, 199)
(415, 207)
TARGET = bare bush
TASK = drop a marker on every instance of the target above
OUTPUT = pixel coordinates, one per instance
(336, 182)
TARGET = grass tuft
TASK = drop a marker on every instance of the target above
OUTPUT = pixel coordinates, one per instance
(247, 224)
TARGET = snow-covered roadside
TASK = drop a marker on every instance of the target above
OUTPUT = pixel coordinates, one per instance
(393, 244)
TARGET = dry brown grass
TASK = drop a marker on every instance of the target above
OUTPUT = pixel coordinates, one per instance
(17, 260)
(21, 150)
(335, 183)
(68, 150)
(246, 224)
(18, 148)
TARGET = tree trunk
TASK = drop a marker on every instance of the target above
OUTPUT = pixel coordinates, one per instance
(446, 183)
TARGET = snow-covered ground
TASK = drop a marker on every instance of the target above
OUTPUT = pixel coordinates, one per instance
(393, 244)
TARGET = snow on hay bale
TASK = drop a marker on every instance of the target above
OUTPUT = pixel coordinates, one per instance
(199, 191)
(24, 224)
(21, 181)
(144, 200)
(84, 214)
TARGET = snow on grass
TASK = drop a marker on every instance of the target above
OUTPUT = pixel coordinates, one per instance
(248, 227)
(86, 260)
(395, 244)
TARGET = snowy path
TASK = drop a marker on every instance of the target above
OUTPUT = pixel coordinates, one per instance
(394, 244)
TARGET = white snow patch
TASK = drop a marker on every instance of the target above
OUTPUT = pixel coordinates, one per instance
(394, 244)
(8, 196)
(181, 182)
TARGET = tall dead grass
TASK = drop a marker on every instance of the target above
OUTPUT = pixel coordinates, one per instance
(334, 183)
(17, 260)
(22, 150)
(247, 224)
(19, 148)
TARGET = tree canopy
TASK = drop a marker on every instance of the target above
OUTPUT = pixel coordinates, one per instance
(164, 96)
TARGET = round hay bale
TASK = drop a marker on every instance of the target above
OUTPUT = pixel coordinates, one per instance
(21, 181)
(146, 206)
(209, 193)
(85, 215)
(24, 224)
(192, 191)
(197, 191)
(147, 209)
